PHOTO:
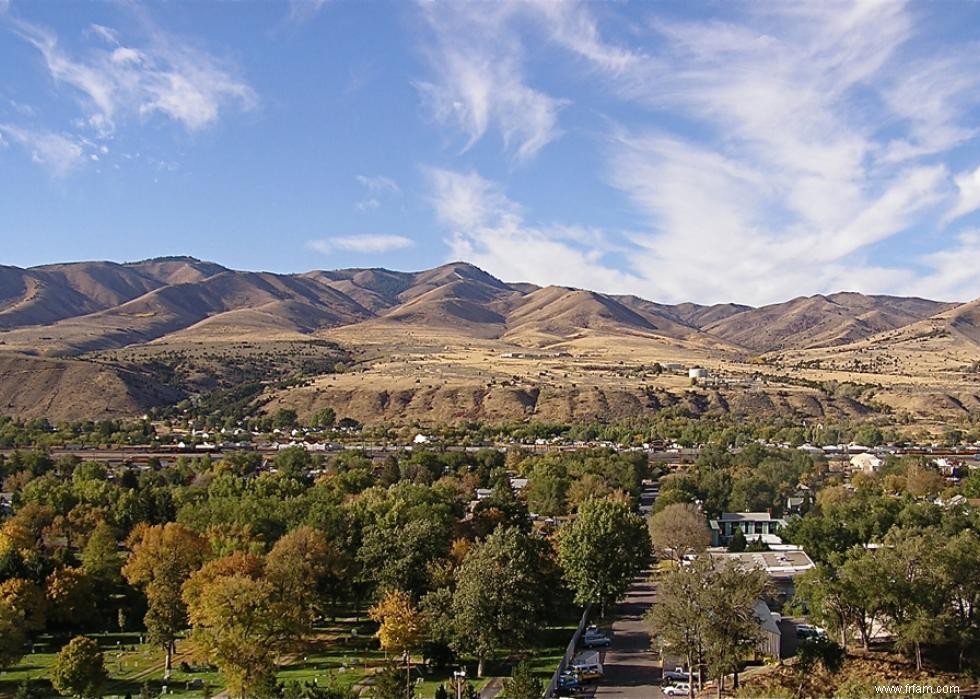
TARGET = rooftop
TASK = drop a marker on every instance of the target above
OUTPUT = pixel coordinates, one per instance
(777, 564)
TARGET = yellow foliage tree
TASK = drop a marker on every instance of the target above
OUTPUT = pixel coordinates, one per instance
(402, 626)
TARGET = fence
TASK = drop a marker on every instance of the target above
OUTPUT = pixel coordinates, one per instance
(569, 653)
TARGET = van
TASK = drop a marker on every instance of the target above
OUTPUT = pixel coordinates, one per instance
(587, 667)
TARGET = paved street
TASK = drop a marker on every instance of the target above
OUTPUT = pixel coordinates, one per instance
(629, 666)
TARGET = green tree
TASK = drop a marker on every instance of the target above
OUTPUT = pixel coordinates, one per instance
(602, 550)
(737, 543)
(79, 669)
(677, 621)
(522, 684)
(498, 601)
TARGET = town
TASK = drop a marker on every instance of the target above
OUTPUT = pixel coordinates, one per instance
(365, 564)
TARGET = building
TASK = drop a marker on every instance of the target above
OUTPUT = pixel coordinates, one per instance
(697, 372)
(782, 564)
(771, 637)
(866, 463)
(754, 525)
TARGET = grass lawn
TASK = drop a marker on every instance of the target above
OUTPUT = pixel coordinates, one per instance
(343, 651)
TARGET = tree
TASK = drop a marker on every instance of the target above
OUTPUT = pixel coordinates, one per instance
(70, 594)
(26, 598)
(497, 602)
(389, 683)
(299, 565)
(235, 626)
(737, 543)
(678, 530)
(815, 655)
(161, 558)
(731, 626)
(325, 418)
(602, 550)
(677, 620)
(401, 626)
(79, 669)
(12, 637)
(522, 684)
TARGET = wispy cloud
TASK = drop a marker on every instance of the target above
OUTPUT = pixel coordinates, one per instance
(798, 139)
(488, 229)
(377, 186)
(379, 183)
(478, 79)
(164, 75)
(304, 10)
(368, 244)
(59, 153)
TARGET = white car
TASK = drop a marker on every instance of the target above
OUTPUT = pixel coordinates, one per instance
(678, 689)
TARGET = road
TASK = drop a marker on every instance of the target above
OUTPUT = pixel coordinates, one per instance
(629, 665)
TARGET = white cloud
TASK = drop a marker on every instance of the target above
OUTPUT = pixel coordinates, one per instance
(489, 230)
(952, 274)
(361, 244)
(167, 76)
(791, 180)
(379, 183)
(478, 79)
(968, 195)
(800, 137)
(377, 186)
(304, 10)
(58, 153)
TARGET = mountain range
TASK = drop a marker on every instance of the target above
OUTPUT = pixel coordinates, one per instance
(73, 329)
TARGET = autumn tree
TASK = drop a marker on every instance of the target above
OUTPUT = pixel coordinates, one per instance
(241, 621)
(401, 627)
(12, 636)
(602, 550)
(161, 559)
(79, 669)
(299, 565)
(26, 598)
(678, 530)
(70, 597)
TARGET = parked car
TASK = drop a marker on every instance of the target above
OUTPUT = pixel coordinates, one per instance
(594, 638)
(807, 631)
(677, 689)
(678, 674)
(568, 685)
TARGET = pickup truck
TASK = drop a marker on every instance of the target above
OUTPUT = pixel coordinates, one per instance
(678, 674)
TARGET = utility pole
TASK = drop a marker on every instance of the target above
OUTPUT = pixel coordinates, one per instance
(408, 674)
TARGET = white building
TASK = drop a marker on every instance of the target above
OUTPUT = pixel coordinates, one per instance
(868, 463)
(697, 372)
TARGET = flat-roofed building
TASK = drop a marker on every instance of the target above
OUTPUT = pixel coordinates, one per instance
(754, 525)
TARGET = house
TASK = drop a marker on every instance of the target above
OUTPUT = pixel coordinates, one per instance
(771, 636)
(866, 463)
(800, 501)
(754, 525)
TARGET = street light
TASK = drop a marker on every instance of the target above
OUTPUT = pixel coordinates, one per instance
(460, 677)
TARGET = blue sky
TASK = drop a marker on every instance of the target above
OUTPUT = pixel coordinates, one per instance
(718, 151)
